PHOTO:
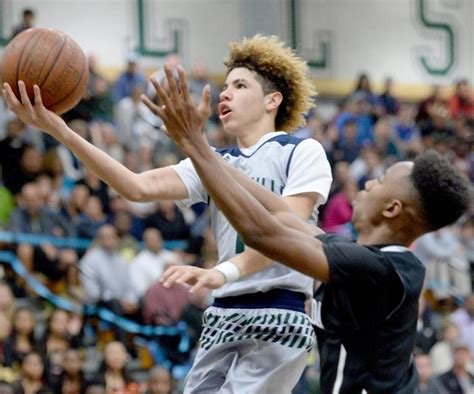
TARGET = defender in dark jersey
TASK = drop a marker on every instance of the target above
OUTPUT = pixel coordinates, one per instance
(369, 300)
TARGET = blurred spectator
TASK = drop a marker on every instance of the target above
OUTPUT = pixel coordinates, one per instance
(441, 353)
(198, 79)
(164, 306)
(159, 381)
(96, 188)
(425, 327)
(387, 102)
(33, 218)
(427, 383)
(464, 319)
(112, 374)
(366, 167)
(128, 245)
(426, 106)
(364, 89)
(105, 275)
(129, 79)
(7, 301)
(104, 136)
(407, 135)
(338, 210)
(169, 220)
(357, 110)
(461, 103)
(32, 376)
(347, 148)
(132, 118)
(72, 379)
(447, 267)
(5, 333)
(463, 157)
(458, 380)
(27, 171)
(26, 23)
(74, 207)
(384, 142)
(73, 168)
(92, 218)
(21, 341)
(11, 148)
(147, 267)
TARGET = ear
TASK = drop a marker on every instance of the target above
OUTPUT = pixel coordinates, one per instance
(392, 209)
(273, 101)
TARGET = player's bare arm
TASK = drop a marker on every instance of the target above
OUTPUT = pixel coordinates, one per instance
(157, 184)
(259, 229)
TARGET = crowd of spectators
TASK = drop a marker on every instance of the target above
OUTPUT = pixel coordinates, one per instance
(46, 191)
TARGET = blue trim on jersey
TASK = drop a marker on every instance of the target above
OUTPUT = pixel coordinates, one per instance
(274, 298)
(283, 140)
(289, 160)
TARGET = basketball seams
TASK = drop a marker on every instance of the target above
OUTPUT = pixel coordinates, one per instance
(18, 66)
(54, 63)
(84, 67)
(32, 54)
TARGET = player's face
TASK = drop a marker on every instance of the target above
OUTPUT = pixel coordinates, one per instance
(241, 102)
(370, 202)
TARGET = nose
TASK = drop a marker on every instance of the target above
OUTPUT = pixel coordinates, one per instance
(225, 95)
(368, 185)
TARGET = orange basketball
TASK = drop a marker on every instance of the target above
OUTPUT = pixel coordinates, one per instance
(51, 60)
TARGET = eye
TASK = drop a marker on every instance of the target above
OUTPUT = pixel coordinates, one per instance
(240, 85)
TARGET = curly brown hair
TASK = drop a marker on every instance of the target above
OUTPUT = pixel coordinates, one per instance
(278, 69)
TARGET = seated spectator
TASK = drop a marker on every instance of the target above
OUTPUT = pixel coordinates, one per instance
(164, 306)
(92, 218)
(72, 379)
(464, 319)
(160, 381)
(387, 102)
(384, 143)
(74, 207)
(458, 380)
(96, 188)
(129, 79)
(128, 245)
(112, 374)
(425, 327)
(52, 167)
(338, 210)
(169, 220)
(33, 218)
(32, 376)
(73, 168)
(7, 301)
(105, 275)
(461, 104)
(427, 383)
(366, 167)
(21, 341)
(5, 333)
(347, 148)
(357, 111)
(11, 148)
(441, 353)
(105, 137)
(363, 87)
(407, 134)
(147, 267)
(27, 171)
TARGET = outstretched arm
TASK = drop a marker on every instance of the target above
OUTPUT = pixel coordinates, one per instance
(162, 183)
(263, 222)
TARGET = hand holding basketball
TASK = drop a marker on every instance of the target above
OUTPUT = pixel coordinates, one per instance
(36, 115)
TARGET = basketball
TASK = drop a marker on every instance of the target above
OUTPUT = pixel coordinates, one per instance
(50, 59)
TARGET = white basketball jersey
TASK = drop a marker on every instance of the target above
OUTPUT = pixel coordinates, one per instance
(285, 165)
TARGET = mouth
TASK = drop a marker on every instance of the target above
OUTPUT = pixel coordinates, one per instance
(224, 111)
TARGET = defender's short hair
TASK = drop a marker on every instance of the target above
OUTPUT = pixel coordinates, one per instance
(279, 69)
(444, 193)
